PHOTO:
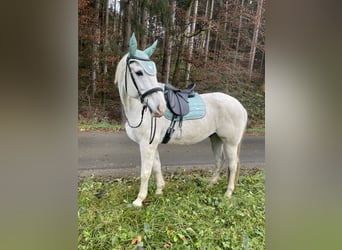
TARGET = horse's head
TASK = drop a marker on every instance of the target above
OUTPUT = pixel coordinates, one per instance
(137, 75)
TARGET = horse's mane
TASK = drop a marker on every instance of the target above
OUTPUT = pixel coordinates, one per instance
(120, 68)
(119, 79)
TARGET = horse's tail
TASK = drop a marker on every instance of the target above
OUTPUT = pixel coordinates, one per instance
(238, 165)
(239, 146)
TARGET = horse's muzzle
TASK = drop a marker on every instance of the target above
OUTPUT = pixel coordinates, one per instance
(159, 112)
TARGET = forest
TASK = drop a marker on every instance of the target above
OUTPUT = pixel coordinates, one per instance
(217, 44)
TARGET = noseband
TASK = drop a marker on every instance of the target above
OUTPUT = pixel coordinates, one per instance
(141, 96)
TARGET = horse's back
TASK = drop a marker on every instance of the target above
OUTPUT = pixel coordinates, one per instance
(229, 114)
(226, 103)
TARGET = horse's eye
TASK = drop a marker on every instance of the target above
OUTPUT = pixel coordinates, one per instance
(139, 73)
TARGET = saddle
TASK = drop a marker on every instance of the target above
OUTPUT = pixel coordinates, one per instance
(177, 99)
(177, 102)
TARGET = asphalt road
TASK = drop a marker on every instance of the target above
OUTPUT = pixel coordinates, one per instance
(107, 153)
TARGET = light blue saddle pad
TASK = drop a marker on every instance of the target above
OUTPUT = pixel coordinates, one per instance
(196, 106)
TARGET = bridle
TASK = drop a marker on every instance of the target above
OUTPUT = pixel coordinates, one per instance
(142, 96)
(148, 92)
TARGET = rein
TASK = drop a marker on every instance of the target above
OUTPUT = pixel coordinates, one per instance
(142, 97)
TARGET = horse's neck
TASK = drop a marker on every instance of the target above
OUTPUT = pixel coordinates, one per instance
(132, 108)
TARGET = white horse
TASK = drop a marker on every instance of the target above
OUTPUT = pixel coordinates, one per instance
(224, 122)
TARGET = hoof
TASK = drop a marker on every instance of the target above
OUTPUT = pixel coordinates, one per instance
(214, 181)
(160, 188)
(159, 192)
(137, 203)
(228, 194)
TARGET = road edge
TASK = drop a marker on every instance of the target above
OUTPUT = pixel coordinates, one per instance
(126, 172)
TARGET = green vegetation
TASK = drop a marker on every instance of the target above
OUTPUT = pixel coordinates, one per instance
(187, 216)
(95, 124)
(255, 131)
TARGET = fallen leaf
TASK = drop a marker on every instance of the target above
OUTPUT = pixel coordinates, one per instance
(167, 245)
(136, 240)
(139, 238)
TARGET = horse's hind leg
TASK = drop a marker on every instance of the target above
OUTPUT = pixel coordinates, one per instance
(159, 176)
(231, 152)
(216, 146)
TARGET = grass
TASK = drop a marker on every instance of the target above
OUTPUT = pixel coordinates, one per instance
(187, 216)
(107, 126)
(255, 131)
(100, 126)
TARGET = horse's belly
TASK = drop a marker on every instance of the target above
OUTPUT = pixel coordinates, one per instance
(191, 132)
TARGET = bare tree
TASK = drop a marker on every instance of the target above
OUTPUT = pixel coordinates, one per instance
(176, 73)
(255, 39)
(126, 24)
(96, 45)
(203, 37)
(208, 32)
(143, 19)
(191, 42)
(238, 35)
(168, 43)
(106, 40)
(225, 15)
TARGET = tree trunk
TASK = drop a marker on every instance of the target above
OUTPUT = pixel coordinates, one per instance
(126, 26)
(191, 42)
(176, 74)
(225, 15)
(208, 33)
(106, 52)
(143, 24)
(126, 8)
(238, 35)
(106, 45)
(96, 45)
(168, 44)
(117, 18)
(203, 38)
(114, 17)
(262, 61)
(216, 52)
(255, 39)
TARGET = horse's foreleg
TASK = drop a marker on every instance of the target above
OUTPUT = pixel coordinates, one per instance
(216, 146)
(232, 155)
(159, 176)
(147, 154)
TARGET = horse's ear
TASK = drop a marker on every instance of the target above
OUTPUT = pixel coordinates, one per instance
(132, 45)
(149, 51)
